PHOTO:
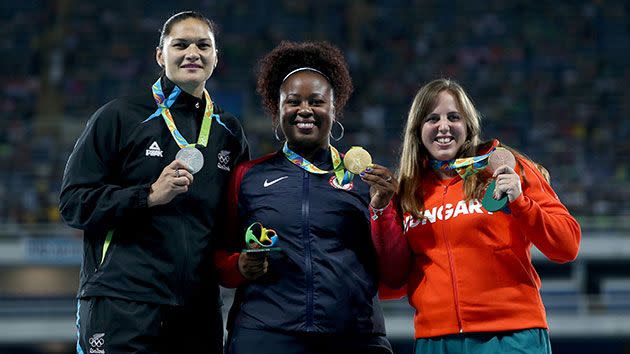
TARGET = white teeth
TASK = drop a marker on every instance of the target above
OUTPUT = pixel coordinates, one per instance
(443, 140)
(305, 125)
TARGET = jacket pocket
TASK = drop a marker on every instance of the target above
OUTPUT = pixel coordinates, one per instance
(511, 264)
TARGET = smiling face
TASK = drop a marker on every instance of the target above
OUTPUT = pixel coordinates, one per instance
(188, 55)
(306, 111)
(444, 129)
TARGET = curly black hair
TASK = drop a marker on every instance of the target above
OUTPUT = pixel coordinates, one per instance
(288, 56)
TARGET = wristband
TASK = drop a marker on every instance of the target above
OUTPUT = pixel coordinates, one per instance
(376, 212)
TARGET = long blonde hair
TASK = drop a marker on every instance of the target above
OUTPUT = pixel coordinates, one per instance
(413, 165)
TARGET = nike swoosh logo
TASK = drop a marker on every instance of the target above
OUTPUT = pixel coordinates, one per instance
(268, 183)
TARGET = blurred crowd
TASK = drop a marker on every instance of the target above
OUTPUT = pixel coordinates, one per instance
(549, 79)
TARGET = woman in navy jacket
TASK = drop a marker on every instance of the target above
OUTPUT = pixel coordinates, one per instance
(318, 293)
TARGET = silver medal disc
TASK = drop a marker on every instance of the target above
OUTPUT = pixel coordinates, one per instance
(192, 157)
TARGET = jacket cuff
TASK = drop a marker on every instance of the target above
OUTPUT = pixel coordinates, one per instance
(230, 275)
(519, 205)
(141, 196)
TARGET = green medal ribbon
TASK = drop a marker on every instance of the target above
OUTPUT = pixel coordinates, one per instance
(163, 109)
(343, 176)
(465, 166)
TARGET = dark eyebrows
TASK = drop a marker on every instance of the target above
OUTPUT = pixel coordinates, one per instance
(448, 114)
(193, 40)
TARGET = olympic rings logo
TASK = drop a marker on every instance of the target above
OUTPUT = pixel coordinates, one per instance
(97, 340)
(224, 157)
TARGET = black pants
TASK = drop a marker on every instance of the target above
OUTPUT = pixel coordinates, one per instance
(246, 341)
(116, 326)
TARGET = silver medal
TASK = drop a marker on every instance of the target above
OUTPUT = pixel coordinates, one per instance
(192, 157)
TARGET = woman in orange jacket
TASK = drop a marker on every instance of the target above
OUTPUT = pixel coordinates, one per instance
(467, 270)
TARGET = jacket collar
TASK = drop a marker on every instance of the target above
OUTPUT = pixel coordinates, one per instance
(184, 100)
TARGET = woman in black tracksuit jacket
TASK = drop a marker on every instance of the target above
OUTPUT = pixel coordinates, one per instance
(149, 226)
(318, 293)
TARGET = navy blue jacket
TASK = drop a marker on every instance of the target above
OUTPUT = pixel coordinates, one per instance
(324, 278)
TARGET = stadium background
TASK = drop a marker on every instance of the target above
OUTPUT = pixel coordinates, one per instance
(550, 78)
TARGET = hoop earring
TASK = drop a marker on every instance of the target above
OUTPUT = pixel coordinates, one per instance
(342, 131)
(275, 132)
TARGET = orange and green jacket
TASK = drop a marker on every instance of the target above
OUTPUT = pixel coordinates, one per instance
(470, 270)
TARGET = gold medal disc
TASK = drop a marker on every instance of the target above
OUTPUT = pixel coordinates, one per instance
(357, 159)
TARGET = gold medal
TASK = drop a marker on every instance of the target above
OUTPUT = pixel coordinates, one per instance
(357, 159)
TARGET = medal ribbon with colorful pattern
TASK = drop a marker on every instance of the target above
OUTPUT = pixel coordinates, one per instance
(165, 103)
(343, 176)
(465, 166)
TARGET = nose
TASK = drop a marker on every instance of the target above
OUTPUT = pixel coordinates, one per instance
(305, 109)
(444, 125)
(192, 52)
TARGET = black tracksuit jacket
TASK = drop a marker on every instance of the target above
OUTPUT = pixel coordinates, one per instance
(161, 254)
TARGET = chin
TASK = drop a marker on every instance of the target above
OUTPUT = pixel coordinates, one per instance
(443, 156)
(310, 136)
(304, 141)
(192, 78)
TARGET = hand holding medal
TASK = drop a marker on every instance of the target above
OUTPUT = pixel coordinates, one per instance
(357, 160)
(507, 185)
(382, 183)
(498, 161)
(174, 179)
